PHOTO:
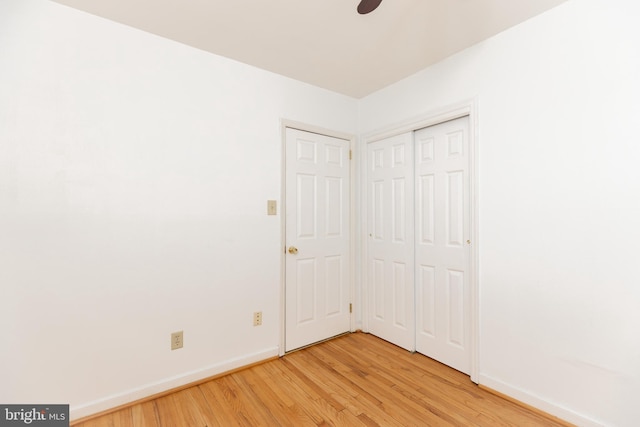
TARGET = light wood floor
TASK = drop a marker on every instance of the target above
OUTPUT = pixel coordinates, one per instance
(353, 380)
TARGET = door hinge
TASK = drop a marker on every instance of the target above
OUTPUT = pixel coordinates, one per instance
(350, 308)
(350, 154)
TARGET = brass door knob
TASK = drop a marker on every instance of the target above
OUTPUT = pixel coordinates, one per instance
(293, 250)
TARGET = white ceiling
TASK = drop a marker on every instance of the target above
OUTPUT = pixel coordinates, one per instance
(324, 42)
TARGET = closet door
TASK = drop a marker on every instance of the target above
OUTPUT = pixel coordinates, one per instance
(442, 248)
(390, 248)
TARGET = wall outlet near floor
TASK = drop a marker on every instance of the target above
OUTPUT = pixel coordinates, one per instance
(257, 318)
(177, 340)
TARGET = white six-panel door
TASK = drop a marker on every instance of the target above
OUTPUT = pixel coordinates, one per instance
(317, 238)
(418, 241)
(390, 242)
(442, 243)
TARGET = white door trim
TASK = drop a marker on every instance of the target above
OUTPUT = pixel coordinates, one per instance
(466, 108)
(284, 124)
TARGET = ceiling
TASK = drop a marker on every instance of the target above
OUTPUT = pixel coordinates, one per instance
(324, 42)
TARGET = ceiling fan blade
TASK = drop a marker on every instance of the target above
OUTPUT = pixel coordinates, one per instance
(367, 6)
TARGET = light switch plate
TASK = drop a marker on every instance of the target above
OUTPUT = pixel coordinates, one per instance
(271, 207)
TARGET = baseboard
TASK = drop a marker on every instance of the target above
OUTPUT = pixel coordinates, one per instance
(168, 385)
(542, 406)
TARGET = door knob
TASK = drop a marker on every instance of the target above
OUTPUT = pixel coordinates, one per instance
(293, 250)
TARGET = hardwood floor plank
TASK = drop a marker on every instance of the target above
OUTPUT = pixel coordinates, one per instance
(103, 421)
(231, 396)
(313, 384)
(145, 414)
(401, 382)
(270, 388)
(269, 414)
(355, 398)
(297, 395)
(168, 410)
(353, 380)
(317, 405)
(123, 418)
(393, 381)
(392, 404)
(218, 403)
(193, 407)
(435, 391)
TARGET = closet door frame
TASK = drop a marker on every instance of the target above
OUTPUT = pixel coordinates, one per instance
(466, 108)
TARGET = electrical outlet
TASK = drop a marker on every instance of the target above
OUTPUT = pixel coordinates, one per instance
(257, 318)
(177, 340)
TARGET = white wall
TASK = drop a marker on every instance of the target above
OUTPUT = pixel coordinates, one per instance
(134, 175)
(559, 106)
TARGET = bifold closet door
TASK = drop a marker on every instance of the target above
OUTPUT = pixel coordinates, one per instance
(442, 248)
(390, 248)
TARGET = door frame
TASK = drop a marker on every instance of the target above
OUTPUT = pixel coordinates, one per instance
(351, 139)
(466, 108)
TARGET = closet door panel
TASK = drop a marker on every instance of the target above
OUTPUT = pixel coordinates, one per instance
(390, 247)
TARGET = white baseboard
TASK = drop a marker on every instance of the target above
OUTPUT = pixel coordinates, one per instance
(537, 402)
(119, 399)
